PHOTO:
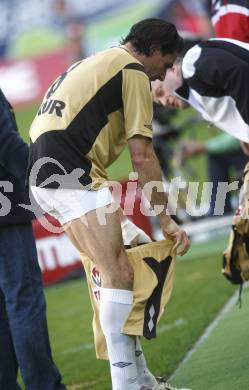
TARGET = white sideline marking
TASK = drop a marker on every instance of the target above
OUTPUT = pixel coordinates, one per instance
(207, 332)
(160, 329)
(167, 327)
(79, 348)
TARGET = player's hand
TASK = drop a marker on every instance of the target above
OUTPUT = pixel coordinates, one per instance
(171, 229)
(132, 234)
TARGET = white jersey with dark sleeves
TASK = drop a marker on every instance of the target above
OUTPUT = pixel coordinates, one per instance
(216, 83)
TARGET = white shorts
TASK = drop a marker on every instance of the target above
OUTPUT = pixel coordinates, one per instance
(68, 204)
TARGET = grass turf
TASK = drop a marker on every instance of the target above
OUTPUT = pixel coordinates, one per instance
(221, 361)
(199, 293)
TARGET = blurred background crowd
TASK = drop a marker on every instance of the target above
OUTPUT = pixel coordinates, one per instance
(33, 27)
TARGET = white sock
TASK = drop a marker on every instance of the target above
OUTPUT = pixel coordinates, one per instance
(145, 377)
(115, 306)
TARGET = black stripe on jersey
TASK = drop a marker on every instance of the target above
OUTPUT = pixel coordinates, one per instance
(135, 66)
(61, 147)
(88, 123)
(208, 88)
(70, 146)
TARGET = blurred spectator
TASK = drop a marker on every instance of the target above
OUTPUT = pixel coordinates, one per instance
(24, 340)
(75, 42)
(192, 17)
(73, 29)
(163, 135)
(230, 19)
(224, 157)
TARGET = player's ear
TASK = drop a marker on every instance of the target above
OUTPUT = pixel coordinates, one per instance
(176, 69)
(178, 66)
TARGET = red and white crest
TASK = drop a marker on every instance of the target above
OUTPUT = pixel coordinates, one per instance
(96, 278)
(96, 294)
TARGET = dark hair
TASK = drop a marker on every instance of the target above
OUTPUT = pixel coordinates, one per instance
(151, 34)
(188, 44)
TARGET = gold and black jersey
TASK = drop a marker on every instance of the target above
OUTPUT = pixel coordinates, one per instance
(86, 118)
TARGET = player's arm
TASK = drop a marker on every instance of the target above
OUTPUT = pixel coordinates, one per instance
(137, 103)
(146, 164)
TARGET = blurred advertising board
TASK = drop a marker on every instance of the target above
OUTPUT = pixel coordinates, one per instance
(25, 81)
(33, 26)
(36, 36)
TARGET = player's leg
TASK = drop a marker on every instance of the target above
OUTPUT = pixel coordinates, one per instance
(145, 377)
(103, 244)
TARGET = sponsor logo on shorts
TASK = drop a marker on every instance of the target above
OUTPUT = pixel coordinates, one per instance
(96, 278)
(96, 294)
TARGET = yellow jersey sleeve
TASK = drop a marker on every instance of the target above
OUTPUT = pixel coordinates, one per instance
(137, 103)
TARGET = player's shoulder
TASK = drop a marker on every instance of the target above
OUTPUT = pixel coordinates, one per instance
(189, 60)
(121, 57)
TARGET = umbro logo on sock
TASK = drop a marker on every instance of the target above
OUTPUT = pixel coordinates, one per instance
(121, 364)
(138, 353)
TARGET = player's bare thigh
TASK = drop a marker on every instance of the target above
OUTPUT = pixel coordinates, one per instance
(104, 245)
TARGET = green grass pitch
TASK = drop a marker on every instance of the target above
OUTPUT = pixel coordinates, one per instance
(221, 361)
